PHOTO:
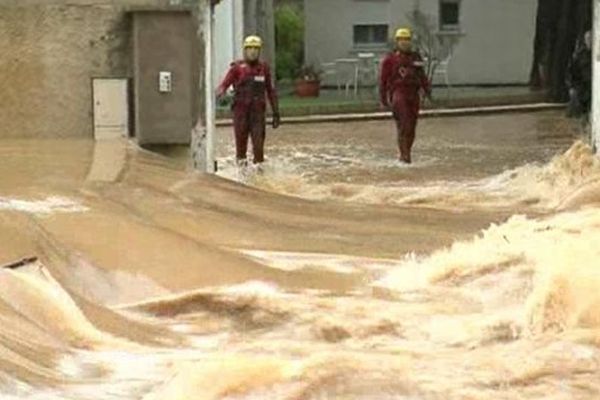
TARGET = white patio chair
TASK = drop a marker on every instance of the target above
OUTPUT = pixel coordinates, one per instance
(367, 68)
(348, 71)
(330, 69)
(442, 68)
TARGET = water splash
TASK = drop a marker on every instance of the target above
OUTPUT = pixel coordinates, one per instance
(50, 205)
(510, 313)
(538, 186)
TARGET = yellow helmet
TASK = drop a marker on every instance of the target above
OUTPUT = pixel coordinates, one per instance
(403, 33)
(253, 41)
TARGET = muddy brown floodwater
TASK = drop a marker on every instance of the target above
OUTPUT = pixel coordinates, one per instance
(334, 274)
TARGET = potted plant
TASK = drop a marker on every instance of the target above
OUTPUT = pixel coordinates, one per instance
(308, 83)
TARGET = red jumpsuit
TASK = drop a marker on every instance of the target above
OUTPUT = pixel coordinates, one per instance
(402, 76)
(252, 83)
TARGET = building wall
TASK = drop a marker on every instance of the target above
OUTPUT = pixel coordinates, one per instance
(498, 40)
(163, 41)
(49, 51)
(495, 45)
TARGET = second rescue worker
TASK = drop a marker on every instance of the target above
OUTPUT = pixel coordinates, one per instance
(401, 81)
(252, 83)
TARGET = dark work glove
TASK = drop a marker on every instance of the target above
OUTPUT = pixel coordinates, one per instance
(276, 120)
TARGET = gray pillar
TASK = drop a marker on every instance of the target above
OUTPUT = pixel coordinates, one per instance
(211, 106)
(595, 114)
(259, 20)
(203, 134)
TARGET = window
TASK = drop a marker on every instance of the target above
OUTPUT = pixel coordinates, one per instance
(449, 15)
(370, 35)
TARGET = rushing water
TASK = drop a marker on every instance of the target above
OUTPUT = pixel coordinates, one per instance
(333, 274)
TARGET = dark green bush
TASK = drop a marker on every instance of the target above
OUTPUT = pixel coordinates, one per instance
(289, 40)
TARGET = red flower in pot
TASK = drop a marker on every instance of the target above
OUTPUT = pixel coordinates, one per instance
(308, 83)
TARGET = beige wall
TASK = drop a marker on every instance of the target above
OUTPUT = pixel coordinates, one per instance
(49, 52)
(496, 45)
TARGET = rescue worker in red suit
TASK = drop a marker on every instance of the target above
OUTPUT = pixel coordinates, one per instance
(252, 84)
(402, 79)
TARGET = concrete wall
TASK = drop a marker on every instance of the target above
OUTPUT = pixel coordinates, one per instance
(163, 41)
(495, 45)
(49, 51)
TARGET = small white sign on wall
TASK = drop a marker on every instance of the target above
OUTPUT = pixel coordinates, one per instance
(165, 82)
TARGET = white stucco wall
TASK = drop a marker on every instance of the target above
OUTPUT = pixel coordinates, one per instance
(497, 46)
(229, 32)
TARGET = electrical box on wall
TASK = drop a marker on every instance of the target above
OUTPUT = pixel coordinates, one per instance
(165, 82)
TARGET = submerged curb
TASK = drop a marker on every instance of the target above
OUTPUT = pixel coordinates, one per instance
(429, 113)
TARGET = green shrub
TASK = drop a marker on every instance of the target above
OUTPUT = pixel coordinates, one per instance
(289, 40)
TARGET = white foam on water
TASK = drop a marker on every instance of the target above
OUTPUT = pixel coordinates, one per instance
(446, 328)
(532, 185)
(337, 263)
(253, 288)
(50, 205)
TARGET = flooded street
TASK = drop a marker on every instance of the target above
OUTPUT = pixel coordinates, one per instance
(336, 273)
(460, 162)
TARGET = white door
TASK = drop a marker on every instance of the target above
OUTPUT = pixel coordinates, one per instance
(111, 108)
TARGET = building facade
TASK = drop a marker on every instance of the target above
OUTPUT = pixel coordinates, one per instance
(492, 39)
(98, 68)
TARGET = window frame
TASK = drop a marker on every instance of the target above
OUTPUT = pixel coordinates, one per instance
(450, 27)
(371, 43)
